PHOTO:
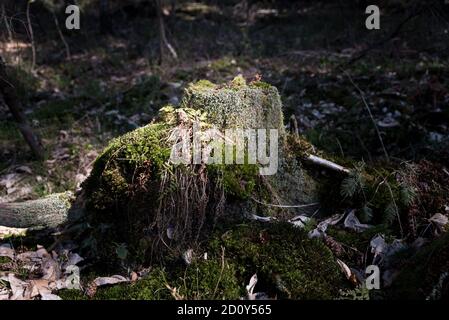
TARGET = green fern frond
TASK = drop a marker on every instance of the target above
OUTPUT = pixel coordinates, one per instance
(391, 213)
(407, 194)
(354, 182)
(366, 214)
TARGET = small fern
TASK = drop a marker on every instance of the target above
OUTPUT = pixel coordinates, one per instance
(408, 195)
(359, 293)
(366, 214)
(391, 213)
(354, 183)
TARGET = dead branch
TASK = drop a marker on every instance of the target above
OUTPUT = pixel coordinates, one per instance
(7, 90)
(163, 42)
(318, 161)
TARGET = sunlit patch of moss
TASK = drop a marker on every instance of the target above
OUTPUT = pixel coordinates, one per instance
(203, 279)
(151, 287)
(138, 146)
(238, 82)
(211, 279)
(287, 262)
(236, 106)
(202, 85)
(260, 84)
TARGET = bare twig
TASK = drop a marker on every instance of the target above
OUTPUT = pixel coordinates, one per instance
(163, 42)
(221, 271)
(61, 35)
(30, 30)
(294, 129)
(7, 24)
(362, 96)
(326, 164)
(285, 205)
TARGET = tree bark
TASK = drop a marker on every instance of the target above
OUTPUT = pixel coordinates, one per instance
(7, 90)
(49, 212)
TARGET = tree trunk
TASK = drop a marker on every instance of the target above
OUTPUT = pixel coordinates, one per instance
(49, 212)
(7, 90)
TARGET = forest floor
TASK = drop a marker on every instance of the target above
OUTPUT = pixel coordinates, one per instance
(388, 108)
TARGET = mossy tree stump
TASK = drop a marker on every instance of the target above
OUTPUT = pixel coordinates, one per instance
(140, 198)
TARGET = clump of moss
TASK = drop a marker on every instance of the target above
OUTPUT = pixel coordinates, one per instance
(203, 279)
(151, 287)
(288, 264)
(4, 260)
(210, 279)
(239, 180)
(237, 105)
(122, 189)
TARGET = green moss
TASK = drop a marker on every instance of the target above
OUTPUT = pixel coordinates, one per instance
(211, 279)
(151, 287)
(4, 260)
(260, 84)
(67, 294)
(135, 148)
(202, 85)
(239, 180)
(358, 240)
(236, 105)
(288, 264)
(123, 187)
(203, 279)
(238, 82)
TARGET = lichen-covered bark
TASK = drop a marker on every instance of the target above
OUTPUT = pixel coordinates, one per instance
(255, 105)
(48, 212)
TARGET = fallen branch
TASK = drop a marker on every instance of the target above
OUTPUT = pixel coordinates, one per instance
(326, 164)
(49, 212)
